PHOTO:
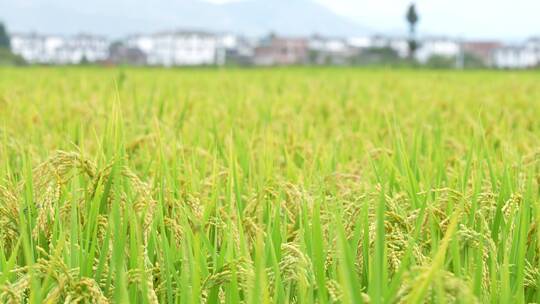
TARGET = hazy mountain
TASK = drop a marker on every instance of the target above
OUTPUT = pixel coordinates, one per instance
(116, 18)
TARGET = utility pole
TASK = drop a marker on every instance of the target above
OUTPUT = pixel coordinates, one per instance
(460, 58)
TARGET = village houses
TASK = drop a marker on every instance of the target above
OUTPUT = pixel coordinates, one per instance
(56, 49)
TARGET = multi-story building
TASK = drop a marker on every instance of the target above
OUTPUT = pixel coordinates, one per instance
(519, 56)
(438, 46)
(360, 42)
(515, 57)
(120, 54)
(35, 48)
(175, 48)
(483, 50)
(281, 51)
(238, 50)
(83, 47)
(52, 49)
(533, 44)
(398, 44)
(326, 50)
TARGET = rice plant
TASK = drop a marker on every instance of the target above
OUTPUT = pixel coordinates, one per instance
(269, 186)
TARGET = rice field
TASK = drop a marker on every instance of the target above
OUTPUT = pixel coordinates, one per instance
(269, 186)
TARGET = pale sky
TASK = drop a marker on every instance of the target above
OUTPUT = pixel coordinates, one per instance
(497, 19)
(511, 19)
(473, 18)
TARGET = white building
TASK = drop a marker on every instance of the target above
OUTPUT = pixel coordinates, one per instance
(331, 45)
(444, 47)
(77, 48)
(238, 50)
(515, 57)
(362, 42)
(398, 44)
(179, 48)
(533, 44)
(52, 49)
(526, 55)
(327, 50)
(35, 48)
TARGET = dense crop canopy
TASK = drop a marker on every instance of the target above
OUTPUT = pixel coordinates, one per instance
(269, 186)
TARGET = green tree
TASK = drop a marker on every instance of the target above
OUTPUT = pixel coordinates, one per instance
(471, 61)
(379, 56)
(412, 19)
(4, 37)
(10, 59)
(6, 56)
(84, 60)
(441, 62)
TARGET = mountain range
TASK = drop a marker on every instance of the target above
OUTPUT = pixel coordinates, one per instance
(121, 17)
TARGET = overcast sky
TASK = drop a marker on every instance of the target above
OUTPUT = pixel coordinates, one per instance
(509, 19)
(501, 19)
(472, 18)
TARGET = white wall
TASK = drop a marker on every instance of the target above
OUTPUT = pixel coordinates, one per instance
(437, 47)
(173, 49)
(398, 44)
(48, 49)
(515, 58)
